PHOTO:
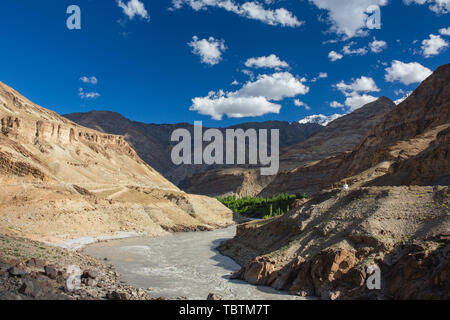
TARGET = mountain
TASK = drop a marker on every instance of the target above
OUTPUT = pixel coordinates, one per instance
(320, 119)
(409, 131)
(152, 143)
(340, 135)
(61, 180)
(393, 220)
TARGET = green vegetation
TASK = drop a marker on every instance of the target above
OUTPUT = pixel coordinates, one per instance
(259, 207)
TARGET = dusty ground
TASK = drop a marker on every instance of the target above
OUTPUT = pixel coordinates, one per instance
(33, 270)
(341, 233)
(56, 213)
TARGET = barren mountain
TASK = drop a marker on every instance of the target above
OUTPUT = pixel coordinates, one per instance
(61, 180)
(152, 141)
(330, 245)
(402, 145)
(341, 135)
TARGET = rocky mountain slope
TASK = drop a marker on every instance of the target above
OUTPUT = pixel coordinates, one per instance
(325, 247)
(341, 135)
(401, 147)
(152, 143)
(60, 180)
(395, 215)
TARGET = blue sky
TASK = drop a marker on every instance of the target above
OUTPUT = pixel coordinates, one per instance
(174, 61)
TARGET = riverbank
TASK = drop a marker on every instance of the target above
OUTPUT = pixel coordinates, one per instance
(181, 265)
(31, 270)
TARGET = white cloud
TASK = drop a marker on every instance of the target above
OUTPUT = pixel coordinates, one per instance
(276, 87)
(376, 46)
(356, 101)
(219, 104)
(248, 73)
(250, 9)
(90, 80)
(438, 6)
(347, 50)
(235, 83)
(87, 95)
(334, 56)
(210, 50)
(320, 119)
(354, 98)
(271, 61)
(322, 75)
(406, 73)
(445, 31)
(433, 46)
(134, 8)
(252, 99)
(363, 84)
(348, 17)
(299, 103)
(336, 104)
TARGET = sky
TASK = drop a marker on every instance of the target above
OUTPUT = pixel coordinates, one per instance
(222, 62)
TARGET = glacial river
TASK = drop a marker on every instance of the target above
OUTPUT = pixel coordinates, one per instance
(181, 265)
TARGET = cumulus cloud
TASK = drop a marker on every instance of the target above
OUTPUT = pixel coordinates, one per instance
(438, 6)
(406, 73)
(336, 104)
(299, 103)
(321, 119)
(433, 46)
(334, 56)
(363, 84)
(219, 104)
(376, 46)
(90, 80)
(134, 8)
(347, 50)
(445, 31)
(250, 9)
(209, 50)
(87, 95)
(253, 99)
(352, 91)
(348, 17)
(271, 61)
(356, 100)
(276, 87)
(322, 75)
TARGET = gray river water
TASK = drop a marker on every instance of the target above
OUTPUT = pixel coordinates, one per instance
(181, 265)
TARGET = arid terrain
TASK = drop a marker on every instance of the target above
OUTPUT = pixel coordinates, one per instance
(62, 181)
(393, 212)
(378, 197)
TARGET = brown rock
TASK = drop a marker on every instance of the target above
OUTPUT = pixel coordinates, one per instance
(213, 296)
(51, 272)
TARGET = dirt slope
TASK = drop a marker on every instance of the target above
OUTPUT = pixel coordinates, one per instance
(60, 180)
(324, 247)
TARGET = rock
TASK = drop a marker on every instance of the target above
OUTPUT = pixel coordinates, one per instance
(51, 272)
(115, 295)
(91, 274)
(5, 266)
(36, 263)
(91, 282)
(213, 296)
(31, 288)
(17, 272)
(259, 272)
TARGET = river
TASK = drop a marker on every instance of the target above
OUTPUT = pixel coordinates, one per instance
(181, 265)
